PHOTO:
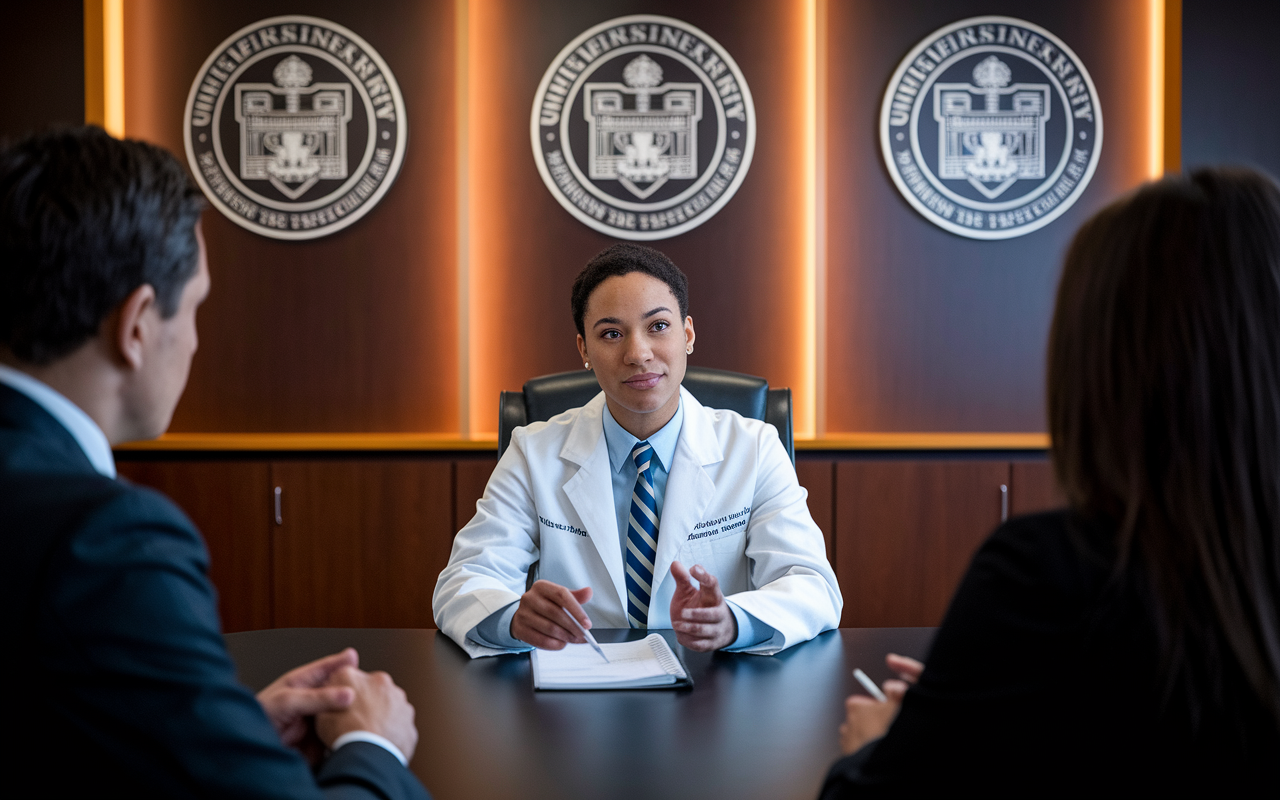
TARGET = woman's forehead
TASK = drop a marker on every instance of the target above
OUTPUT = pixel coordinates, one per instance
(635, 293)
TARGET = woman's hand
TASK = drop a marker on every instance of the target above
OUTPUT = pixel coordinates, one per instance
(700, 615)
(541, 619)
(867, 718)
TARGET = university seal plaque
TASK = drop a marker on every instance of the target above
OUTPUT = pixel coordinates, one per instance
(991, 127)
(294, 127)
(643, 127)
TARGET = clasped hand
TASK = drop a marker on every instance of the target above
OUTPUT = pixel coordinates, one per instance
(699, 614)
(867, 718)
(314, 704)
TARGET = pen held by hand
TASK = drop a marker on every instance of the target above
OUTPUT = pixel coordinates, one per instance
(869, 685)
(591, 640)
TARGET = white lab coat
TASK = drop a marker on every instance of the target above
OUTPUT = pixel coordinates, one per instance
(732, 504)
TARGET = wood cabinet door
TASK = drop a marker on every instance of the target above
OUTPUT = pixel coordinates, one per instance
(230, 502)
(360, 542)
(818, 479)
(905, 533)
(1033, 487)
(470, 477)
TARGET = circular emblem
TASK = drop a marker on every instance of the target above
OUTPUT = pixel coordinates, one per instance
(991, 127)
(294, 127)
(643, 127)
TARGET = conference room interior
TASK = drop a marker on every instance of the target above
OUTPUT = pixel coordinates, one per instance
(342, 414)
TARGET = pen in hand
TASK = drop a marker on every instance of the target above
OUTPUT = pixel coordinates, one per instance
(869, 685)
(591, 640)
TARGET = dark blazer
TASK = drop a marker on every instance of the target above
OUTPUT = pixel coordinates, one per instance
(1044, 681)
(119, 682)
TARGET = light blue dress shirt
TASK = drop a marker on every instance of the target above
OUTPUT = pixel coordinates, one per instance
(79, 424)
(495, 630)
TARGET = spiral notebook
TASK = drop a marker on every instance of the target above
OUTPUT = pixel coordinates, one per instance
(648, 663)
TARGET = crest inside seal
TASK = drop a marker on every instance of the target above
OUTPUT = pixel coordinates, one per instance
(642, 127)
(991, 127)
(294, 127)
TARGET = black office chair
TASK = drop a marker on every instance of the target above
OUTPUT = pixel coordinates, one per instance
(549, 395)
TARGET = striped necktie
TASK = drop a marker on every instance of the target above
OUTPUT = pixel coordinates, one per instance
(642, 538)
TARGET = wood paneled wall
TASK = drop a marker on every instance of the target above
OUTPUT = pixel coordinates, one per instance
(905, 533)
(414, 319)
(927, 330)
(230, 501)
(357, 331)
(745, 265)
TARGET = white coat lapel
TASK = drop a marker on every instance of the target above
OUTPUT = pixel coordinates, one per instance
(590, 490)
(689, 488)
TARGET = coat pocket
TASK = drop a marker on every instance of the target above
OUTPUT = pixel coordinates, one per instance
(721, 555)
(732, 538)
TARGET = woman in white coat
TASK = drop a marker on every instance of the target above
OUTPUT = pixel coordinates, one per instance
(605, 504)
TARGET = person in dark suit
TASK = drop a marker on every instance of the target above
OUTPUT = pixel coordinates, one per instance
(120, 685)
(1129, 645)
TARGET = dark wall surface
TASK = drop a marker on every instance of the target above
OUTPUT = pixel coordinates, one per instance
(354, 331)
(1230, 94)
(928, 330)
(42, 62)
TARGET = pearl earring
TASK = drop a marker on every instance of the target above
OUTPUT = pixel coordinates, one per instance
(586, 365)
(689, 350)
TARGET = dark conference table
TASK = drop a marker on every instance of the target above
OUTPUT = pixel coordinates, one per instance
(751, 726)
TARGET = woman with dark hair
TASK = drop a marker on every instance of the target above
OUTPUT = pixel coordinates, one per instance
(1130, 644)
(643, 508)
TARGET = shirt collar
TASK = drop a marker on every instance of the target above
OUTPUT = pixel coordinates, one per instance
(663, 442)
(79, 424)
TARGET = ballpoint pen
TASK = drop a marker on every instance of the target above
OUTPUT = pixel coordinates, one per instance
(868, 684)
(591, 640)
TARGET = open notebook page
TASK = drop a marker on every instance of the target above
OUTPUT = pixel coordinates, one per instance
(647, 662)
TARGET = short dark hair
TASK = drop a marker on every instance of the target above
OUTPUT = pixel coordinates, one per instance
(624, 258)
(1164, 413)
(85, 220)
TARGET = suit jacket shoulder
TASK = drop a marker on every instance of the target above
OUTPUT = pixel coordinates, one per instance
(125, 675)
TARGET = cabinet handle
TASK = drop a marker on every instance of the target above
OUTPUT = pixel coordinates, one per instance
(1004, 502)
(279, 516)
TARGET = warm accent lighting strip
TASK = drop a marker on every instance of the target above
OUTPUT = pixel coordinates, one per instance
(113, 66)
(1156, 79)
(104, 64)
(805, 422)
(927, 441)
(476, 17)
(290, 442)
(462, 109)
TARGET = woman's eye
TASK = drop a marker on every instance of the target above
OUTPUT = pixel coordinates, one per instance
(611, 335)
(661, 325)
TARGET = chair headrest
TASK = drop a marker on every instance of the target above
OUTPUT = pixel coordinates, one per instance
(717, 388)
(549, 395)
